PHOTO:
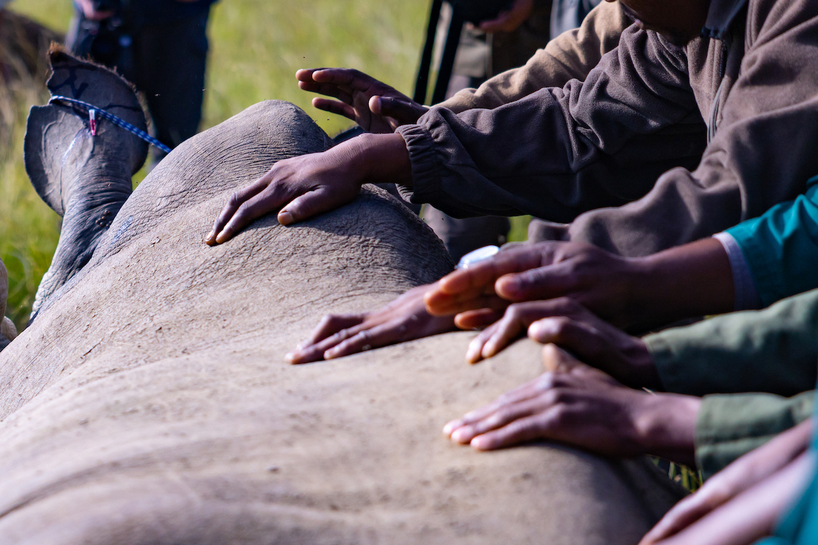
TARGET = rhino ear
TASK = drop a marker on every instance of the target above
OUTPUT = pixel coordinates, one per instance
(48, 135)
(97, 85)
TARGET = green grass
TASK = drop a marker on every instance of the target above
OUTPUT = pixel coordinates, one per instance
(256, 47)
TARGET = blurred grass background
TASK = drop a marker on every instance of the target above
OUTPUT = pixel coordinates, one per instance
(255, 48)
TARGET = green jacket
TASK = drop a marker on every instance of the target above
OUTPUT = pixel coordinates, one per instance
(773, 352)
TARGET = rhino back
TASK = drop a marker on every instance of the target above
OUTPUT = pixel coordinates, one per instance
(150, 404)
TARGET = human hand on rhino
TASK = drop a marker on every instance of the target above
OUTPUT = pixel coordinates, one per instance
(690, 280)
(404, 319)
(579, 405)
(305, 186)
(374, 106)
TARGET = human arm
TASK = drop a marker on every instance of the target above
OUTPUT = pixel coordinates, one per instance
(562, 151)
(731, 425)
(746, 474)
(379, 108)
(402, 320)
(581, 406)
(303, 186)
(780, 247)
(691, 280)
(751, 162)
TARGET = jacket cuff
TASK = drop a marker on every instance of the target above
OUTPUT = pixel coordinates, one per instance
(672, 374)
(424, 162)
(746, 294)
(729, 426)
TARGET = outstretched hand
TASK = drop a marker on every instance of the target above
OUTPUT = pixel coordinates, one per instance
(569, 325)
(404, 319)
(304, 186)
(582, 406)
(375, 106)
(603, 282)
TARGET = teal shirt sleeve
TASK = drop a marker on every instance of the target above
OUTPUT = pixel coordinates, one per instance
(781, 247)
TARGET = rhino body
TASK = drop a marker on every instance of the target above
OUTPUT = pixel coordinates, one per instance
(149, 401)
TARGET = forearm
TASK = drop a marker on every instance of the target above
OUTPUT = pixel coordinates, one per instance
(754, 513)
(667, 427)
(560, 152)
(686, 281)
(378, 158)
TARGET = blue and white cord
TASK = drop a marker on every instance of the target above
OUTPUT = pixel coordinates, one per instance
(93, 112)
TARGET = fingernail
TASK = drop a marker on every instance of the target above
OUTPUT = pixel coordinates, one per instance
(463, 435)
(289, 356)
(221, 237)
(473, 353)
(489, 349)
(210, 235)
(479, 443)
(538, 329)
(447, 429)
(285, 218)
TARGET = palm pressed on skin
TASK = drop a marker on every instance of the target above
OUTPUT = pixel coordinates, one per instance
(305, 186)
(404, 319)
(582, 406)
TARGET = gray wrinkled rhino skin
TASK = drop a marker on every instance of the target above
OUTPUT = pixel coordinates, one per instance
(149, 402)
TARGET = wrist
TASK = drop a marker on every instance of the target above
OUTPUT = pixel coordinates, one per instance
(644, 373)
(685, 282)
(666, 427)
(381, 158)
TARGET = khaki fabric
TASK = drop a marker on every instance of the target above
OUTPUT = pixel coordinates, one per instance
(730, 426)
(149, 402)
(772, 350)
(771, 353)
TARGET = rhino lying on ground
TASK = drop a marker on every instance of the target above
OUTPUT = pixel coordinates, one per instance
(149, 403)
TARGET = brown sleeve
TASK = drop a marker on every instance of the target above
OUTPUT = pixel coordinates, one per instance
(570, 55)
(560, 152)
(762, 153)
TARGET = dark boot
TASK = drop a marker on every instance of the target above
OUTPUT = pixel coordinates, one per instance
(84, 178)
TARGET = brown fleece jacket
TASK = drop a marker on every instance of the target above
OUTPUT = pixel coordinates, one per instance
(578, 153)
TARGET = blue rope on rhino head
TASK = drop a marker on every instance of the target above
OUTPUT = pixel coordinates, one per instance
(89, 108)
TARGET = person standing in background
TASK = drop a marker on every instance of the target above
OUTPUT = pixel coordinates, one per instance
(158, 45)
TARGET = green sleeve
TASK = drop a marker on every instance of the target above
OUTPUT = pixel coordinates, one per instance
(781, 246)
(729, 426)
(774, 350)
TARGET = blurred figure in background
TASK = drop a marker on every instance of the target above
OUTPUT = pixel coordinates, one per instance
(160, 46)
(569, 14)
